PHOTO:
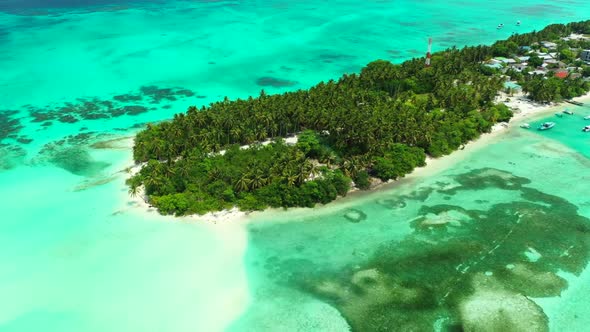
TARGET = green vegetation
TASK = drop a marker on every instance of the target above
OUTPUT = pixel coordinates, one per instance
(553, 89)
(546, 87)
(379, 123)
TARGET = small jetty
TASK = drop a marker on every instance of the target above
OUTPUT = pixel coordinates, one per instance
(573, 102)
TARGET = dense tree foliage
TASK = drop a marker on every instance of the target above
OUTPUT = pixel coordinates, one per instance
(553, 89)
(380, 122)
(549, 89)
(552, 32)
(535, 61)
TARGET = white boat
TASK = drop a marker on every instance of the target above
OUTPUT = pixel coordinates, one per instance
(518, 23)
(587, 117)
(567, 111)
(546, 126)
(500, 26)
(525, 126)
(586, 129)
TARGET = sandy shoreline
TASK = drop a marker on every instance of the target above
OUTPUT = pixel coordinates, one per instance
(140, 204)
(523, 109)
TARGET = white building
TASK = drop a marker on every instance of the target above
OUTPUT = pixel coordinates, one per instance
(574, 36)
(544, 56)
(519, 66)
(585, 55)
(537, 72)
(549, 45)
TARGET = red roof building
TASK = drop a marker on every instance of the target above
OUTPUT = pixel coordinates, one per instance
(561, 74)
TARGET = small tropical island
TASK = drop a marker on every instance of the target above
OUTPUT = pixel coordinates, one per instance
(305, 147)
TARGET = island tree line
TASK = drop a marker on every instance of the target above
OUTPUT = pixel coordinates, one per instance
(379, 123)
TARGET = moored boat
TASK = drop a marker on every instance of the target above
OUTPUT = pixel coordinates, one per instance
(577, 103)
(586, 129)
(567, 111)
(525, 126)
(587, 117)
(559, 115)
(546, 126)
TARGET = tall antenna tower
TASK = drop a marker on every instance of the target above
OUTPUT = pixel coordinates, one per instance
(428, 55)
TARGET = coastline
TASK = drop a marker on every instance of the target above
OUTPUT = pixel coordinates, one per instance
(522, 108)
(139, 203)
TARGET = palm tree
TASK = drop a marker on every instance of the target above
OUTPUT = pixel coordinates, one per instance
(350, 167)
(170, 154)
(235, 133)
(243, 183)
(184, 168)
(152, 182)
(329, 159)
(133, 191)
(258, 179)
(314, 171)
(158, 147)
(291, 180)
(304, 171)
(215, 174)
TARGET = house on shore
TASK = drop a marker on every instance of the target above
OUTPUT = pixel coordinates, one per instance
(513, 87)
(555, 63)
(549, 45)
(561, 74)
(585, 55)
(574, 36)
(494, 65)
(525, 48)
(518, 66)
(538, 72)
(545, 56)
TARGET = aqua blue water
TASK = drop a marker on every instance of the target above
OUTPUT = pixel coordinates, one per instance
(315, 256)
(76, 256)
(568, 129)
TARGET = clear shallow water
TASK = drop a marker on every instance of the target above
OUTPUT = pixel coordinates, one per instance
(505, 217)
(76, 257)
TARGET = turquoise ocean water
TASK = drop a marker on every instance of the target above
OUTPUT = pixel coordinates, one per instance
(75, 255)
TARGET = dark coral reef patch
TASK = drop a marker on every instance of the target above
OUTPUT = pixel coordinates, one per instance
(72, 154)
(460, 269)
(275, 82)
(10, 126)
(10, 156)
(130, 104)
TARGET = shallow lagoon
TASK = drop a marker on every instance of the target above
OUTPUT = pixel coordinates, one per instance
(507, 223)
(77, 257)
